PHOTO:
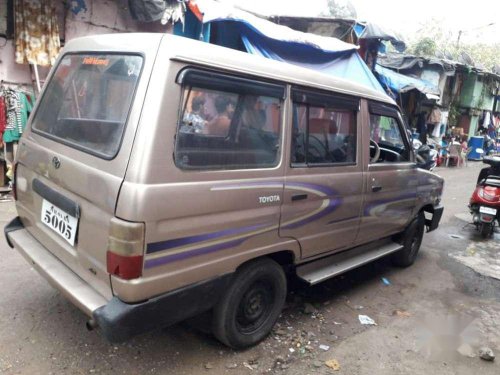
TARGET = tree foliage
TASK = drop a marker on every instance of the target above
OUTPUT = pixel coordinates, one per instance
(340, 9)
(433, 40)
(424, 47)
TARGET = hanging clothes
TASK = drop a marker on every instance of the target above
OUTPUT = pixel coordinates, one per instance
(37, 32)
(434, 117)
(3, 117)
(18, 110)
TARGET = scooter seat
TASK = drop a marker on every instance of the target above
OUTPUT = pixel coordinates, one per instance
(492, 181)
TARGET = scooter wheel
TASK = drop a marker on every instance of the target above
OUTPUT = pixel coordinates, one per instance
(486, 230)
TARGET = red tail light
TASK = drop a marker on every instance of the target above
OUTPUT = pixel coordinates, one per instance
(124, 257)
(490, 193)
(125, 267)
(14, 181)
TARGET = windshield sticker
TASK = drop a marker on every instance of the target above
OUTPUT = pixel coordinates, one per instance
(95, 61)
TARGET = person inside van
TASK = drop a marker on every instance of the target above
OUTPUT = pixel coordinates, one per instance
(220, 124)
(252, 116)
(194, 121)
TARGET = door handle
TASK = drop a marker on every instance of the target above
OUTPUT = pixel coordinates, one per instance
(299, 197)
(376, 188)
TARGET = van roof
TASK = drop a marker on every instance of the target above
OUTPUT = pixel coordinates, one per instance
(193, 51)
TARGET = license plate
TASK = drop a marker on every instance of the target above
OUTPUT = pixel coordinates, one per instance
(59, 221)
(487, 210)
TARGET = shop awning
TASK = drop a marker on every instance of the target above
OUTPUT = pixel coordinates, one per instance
(399, 83)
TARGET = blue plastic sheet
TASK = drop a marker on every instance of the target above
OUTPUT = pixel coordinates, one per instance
(399, 83)
(340, 59)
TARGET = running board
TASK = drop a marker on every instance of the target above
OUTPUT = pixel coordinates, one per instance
(333, 265)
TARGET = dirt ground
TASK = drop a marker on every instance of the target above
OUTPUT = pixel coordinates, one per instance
(430, 318)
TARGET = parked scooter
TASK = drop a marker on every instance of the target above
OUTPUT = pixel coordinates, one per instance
(426, 155)
(485, 201)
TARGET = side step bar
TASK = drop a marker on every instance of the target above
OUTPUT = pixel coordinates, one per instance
(333, 265)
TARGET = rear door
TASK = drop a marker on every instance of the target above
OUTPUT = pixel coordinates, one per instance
(73, 157)
(324, 177)
(391, 180)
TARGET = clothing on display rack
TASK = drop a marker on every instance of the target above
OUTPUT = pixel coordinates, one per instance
(17, 106)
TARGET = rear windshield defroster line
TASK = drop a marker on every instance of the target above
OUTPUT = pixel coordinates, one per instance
(88, 100)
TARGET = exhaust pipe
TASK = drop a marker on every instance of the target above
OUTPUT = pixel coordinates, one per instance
(91, 325)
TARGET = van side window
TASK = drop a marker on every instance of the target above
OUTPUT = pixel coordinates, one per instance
(386, 132)
(228, 127)
(323, 134)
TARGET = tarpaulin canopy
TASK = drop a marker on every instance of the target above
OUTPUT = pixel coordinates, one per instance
(408, 62)
(349, 66)
(400, 83)
(374, 31)
(237, 29)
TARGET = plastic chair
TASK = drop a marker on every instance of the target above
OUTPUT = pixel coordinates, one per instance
(454, 152)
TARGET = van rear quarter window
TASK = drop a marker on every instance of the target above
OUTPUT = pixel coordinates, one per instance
(228, 123)
(87, 101)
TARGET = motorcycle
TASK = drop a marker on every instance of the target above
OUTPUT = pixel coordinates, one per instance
(427, 155)
(484, 204)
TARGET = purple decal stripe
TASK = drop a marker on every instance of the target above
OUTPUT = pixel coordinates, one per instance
(333, 204)
(372, 205)
(183, 241)
(324, 189)
(262, 184)
(346, 219)
(188, 254)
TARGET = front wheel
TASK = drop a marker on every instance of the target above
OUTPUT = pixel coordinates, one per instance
(251, 305)
(411, 239)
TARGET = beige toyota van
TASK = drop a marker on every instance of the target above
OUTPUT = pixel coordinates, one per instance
(161, 177)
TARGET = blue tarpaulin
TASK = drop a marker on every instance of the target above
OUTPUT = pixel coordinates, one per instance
(237, 29)
(399, 83)
(340, 59)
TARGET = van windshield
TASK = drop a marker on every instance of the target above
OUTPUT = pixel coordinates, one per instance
(87, 101)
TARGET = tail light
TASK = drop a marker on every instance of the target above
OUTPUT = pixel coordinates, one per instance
(485, 218)
(14, 180)
(125, 253)
(486, 194)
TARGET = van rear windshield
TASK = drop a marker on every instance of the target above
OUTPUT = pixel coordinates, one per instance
(87, 101)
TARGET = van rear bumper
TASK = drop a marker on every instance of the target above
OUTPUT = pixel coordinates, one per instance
(57, 274)
(118, 320)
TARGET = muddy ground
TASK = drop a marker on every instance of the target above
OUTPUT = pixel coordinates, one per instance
(431, 318)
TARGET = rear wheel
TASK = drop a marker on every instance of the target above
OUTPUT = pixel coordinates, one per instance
(411, 239)
(251, 305)
(486, 230)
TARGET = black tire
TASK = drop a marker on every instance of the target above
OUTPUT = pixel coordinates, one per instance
(249, 308)
(486, 230)
(411, 239)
